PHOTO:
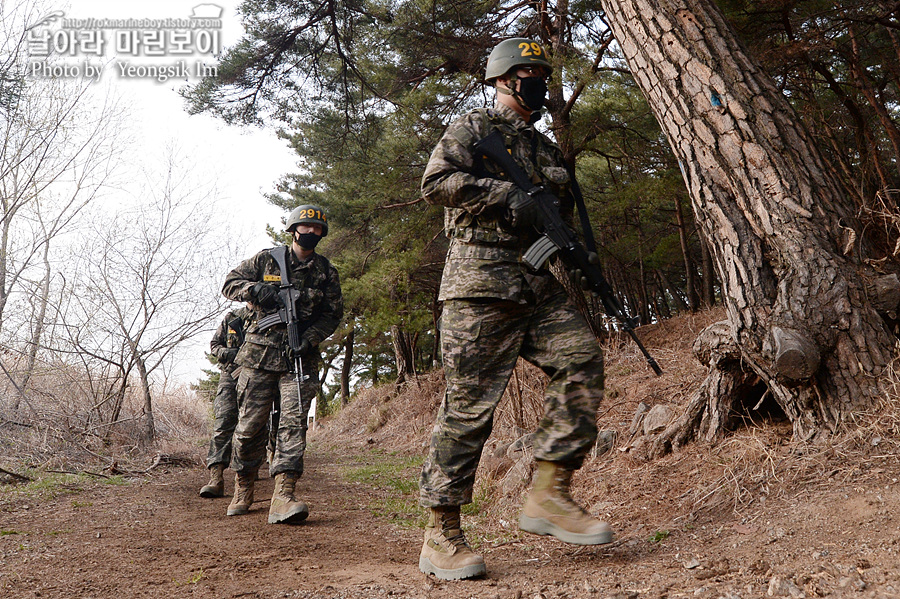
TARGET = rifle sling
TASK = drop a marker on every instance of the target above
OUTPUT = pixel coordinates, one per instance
(282, 262)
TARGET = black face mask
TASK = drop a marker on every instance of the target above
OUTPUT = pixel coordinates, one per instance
(307, 241)
(532, 92)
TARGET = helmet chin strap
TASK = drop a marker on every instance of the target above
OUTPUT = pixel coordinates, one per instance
(511, 91)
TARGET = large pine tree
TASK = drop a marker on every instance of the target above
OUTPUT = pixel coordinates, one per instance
(802, 317)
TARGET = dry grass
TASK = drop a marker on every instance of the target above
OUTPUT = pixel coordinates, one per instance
(65, 422)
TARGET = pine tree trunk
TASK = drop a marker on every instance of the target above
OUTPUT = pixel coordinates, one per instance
(784, 238)
(403, 354)
(347, 367)
(708, 272)
(690, 272)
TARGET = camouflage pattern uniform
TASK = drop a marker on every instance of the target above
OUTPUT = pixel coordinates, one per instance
(225, 405)
(496, 309)
(265, 369)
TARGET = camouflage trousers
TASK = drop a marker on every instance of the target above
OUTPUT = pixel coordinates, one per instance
(225, 411)
(480, 344)
(257, 390)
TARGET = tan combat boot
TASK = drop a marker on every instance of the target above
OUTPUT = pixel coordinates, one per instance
(550, 510)
(445, 553)
(285, 508)
(243, 493)
(216, 485)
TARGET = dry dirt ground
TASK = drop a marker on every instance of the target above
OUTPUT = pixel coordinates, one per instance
(154, 537)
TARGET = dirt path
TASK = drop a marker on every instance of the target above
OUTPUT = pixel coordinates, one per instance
(157, 538)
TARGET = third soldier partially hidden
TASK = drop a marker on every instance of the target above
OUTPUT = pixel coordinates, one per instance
(267, 362)
(224, 346)
(495, 310)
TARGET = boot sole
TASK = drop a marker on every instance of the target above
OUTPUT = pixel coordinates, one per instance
(237, 512)
(472, 571)
(542, 526)
(289, 518)
(211, 492)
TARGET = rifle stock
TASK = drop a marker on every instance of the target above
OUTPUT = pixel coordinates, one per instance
(558, 237)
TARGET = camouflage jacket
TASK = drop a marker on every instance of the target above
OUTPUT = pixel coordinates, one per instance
(228, 335)
(321, 304)
(485, 256)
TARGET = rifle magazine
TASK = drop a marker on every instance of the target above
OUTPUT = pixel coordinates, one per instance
(539, 252)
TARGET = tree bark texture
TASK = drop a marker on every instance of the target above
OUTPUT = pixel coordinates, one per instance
(148, 427)
(347, 367)
(404, 348)
(781, 233)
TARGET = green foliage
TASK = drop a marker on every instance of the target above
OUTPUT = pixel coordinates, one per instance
(397, 478)
(659, 536)
(837, 64)
(630, 181)
(389, 269)
(206, 387)
(45, 485)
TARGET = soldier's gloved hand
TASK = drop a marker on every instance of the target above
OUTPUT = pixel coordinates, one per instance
(264, 295)
(304, 348)
(579, 275)
(227, 355)
(523, 210)
(581, 280)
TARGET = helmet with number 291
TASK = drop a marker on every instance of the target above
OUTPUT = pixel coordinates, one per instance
(515, 52)
(308, 214)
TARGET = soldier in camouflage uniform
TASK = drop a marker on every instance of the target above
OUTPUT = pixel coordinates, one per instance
(266, 366)
(495, 310)
(224, 346)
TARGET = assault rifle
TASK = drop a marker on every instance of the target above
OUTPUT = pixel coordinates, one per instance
(558, 237)
(289, 315)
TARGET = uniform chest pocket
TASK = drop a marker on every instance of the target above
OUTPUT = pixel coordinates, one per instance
(556, 174)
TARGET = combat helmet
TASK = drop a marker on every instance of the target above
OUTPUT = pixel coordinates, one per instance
(515, 52)
(307, 214)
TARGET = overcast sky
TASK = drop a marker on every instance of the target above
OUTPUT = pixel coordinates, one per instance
(243, 162)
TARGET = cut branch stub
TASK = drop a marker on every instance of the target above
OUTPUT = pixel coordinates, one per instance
(796, 356)
(884, 293)
(715, 345)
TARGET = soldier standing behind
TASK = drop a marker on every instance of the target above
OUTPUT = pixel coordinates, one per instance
(495, 310)
(266, 366)
(224, 346)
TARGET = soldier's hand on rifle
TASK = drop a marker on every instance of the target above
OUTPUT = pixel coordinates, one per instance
(227, 355)
(523, 211)
(304, 348)
(580, 278)
(264, 295)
